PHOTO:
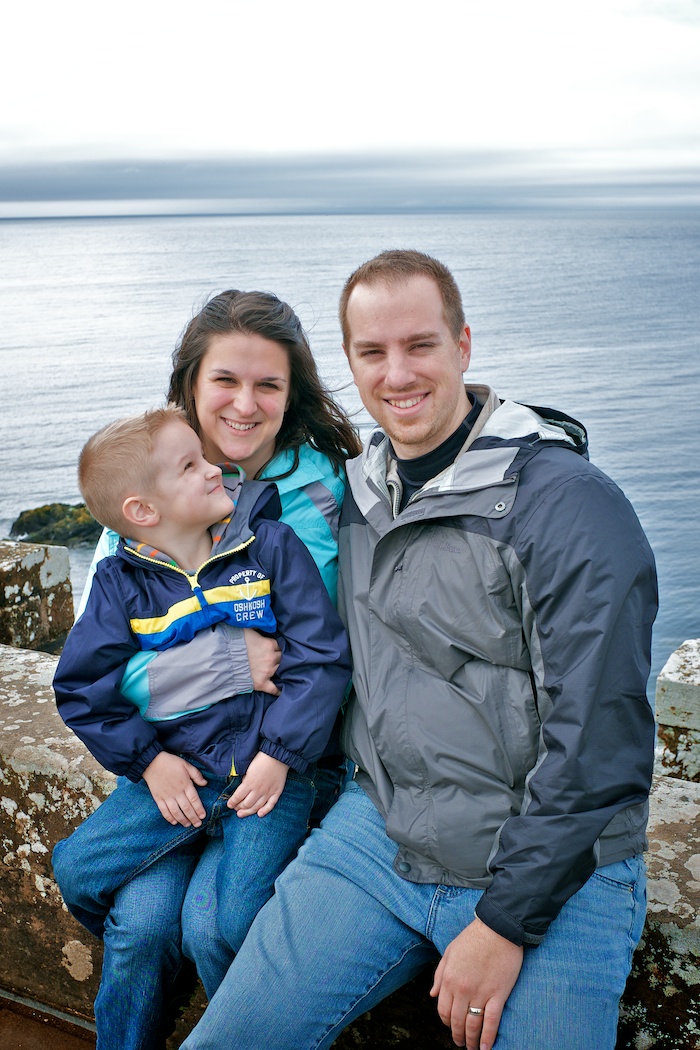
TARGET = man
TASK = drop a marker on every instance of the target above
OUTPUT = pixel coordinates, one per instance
(499, 595)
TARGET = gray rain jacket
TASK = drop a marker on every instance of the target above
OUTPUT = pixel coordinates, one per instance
(501, 629)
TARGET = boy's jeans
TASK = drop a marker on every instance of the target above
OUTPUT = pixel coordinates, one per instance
(127, 837)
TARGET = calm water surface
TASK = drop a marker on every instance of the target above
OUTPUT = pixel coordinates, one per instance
(595, 313)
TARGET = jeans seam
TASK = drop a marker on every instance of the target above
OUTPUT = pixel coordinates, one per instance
(172, 844)
(342, 1020)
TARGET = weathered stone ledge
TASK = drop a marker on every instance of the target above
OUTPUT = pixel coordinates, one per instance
(678, 713)
(49, 783)
(36, 597)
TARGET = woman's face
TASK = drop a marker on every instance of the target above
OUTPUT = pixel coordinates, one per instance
(241, 394)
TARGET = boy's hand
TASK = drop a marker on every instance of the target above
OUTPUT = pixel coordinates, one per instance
(260, 788)
(264, 658)
(171, 781)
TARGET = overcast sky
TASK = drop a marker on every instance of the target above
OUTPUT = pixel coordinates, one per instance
(618, 79)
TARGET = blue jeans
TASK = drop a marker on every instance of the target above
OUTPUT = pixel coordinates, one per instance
(142, 959)
(125, 870)
(343, 931)
(203, 939)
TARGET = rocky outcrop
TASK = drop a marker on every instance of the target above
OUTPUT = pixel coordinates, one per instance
(49, 783)
(61, 523)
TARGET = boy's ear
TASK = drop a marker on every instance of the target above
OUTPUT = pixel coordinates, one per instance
(136, 512)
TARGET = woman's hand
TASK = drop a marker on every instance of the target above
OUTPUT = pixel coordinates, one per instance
(264, 657)
(260, 788)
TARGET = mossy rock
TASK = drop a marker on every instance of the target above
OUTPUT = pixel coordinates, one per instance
(60, 523)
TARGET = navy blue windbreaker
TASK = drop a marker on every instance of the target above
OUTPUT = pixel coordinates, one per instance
(259, 575)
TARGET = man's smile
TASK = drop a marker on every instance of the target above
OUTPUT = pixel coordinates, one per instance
(410, 402)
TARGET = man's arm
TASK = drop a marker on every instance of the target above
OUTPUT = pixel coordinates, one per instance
(584, 575)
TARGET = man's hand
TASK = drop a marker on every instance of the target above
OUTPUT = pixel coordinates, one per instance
(479, 969)
(260, 788)
(264, 657)
(171, 780)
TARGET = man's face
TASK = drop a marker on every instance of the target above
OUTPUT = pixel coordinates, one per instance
(406, 363)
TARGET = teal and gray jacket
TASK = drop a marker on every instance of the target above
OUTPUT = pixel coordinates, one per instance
(500, 628)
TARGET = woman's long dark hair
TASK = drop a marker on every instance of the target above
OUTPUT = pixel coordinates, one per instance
(312, 415)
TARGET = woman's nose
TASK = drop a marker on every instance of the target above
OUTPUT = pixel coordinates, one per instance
(244, 401)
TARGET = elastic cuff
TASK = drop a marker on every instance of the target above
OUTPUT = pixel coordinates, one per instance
(500, 922)
(281, 753)
(135, 771)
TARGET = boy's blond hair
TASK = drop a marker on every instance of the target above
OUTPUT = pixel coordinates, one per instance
(117, 462)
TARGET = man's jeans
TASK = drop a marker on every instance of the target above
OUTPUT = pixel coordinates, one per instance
(343, 931)
(126, 863)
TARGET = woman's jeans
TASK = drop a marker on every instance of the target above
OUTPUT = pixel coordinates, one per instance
(343, 931)
(123, 873)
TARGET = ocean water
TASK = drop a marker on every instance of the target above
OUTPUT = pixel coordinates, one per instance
(594, 312)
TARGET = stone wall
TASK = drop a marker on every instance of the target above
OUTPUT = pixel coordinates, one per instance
(49, 783)
(678, 713)
(36, 598)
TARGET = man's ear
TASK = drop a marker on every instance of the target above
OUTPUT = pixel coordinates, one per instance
(136, 512)
(465, 346)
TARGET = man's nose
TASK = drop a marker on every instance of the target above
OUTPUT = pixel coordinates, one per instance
(399, 373)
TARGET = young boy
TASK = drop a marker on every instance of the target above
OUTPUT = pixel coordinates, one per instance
(198, 561)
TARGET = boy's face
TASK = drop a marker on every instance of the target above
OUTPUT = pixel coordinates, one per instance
(188, 490)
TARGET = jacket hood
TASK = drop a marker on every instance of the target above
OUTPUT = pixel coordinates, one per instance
(502, 431)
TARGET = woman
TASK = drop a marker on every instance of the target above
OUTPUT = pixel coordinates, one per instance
(245, 375)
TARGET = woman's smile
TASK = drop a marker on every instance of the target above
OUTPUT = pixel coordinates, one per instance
(241, 394)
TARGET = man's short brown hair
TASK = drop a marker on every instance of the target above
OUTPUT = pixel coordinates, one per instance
(396, 267)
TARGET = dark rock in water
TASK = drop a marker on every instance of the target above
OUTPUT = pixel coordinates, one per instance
(60, 523)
